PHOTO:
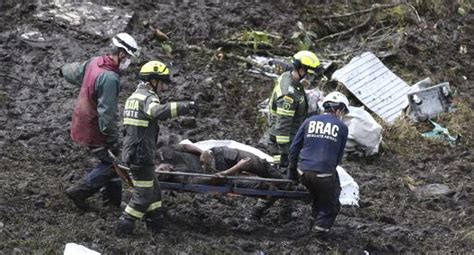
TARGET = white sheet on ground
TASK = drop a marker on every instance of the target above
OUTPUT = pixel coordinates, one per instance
(76, 249)
(349, 188)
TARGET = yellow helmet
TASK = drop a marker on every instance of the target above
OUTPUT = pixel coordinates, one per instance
(154, 70)
(306, 59)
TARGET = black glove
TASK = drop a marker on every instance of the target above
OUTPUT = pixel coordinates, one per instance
(193, 108)
(114, 148)
(284, 160)
(292, 172)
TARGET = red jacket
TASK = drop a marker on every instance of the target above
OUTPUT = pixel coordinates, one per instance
(85, 128)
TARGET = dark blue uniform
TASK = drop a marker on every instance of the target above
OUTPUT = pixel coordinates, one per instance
(318, 148)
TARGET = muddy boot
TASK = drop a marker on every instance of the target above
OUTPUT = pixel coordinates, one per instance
(126, 225)
(284, 215)
(155, 221)
(78, 194)
(320, 232)
(112, 195)
(260, 208)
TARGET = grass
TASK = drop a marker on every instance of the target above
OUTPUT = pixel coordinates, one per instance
(404, 136)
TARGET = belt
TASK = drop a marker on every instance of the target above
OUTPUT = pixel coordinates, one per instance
(300, 172)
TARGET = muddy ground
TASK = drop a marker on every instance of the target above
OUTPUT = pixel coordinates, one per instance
(38, 160)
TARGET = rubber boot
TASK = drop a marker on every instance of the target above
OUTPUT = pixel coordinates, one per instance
(126, 225)
(155, 221)
(78, 194)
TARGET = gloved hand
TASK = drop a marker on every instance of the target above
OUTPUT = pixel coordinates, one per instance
(284, 160)
(114, 148)
(292, 172)
(193, 108)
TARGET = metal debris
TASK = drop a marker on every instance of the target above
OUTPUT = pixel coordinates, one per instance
(367, 78)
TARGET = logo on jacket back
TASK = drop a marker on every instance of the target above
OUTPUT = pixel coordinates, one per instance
(326, 130)
(131, 109)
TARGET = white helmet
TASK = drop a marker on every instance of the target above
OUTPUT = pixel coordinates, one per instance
(336, 98)
(126, 42)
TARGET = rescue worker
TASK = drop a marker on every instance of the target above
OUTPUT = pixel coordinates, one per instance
(95, 118)
(316, 151)
(288, 108)
(141, 112)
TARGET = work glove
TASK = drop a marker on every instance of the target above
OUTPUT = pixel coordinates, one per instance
(284, 160)
(114, 148)
(292, 172)
(193, 108)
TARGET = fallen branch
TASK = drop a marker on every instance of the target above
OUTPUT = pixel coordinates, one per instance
(219, 55)
(350, 30)
(260, 45)
(374, 7)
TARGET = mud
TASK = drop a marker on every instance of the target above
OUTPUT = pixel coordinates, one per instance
(38, 160)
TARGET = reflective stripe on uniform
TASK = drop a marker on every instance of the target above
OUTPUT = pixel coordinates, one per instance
(138, 96)
(281, 111)
(135, 122)
(142, 184)
(133, 212)
(282, 139)
(151, 106)
(154, 206)
(174, 109)
(276, 159)
(277, 89)
(275, 94)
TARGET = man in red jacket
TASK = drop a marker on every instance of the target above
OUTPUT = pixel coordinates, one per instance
(95, 118)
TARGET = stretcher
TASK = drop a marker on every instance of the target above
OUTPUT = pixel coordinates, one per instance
(230, 185)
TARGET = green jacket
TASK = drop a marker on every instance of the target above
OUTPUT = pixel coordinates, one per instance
(141, 112)
(104, 97)
(288, 109)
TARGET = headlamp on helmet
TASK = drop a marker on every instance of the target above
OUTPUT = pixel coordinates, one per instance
(306, 59)
(155, 70)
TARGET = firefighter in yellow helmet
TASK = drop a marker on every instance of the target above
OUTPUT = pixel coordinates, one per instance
(141, 112)
(288, 108)
(288, 105)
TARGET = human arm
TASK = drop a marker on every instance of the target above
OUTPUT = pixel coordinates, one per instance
(295, 149)
(345, 133)
(169, 110)
(190, 148)
(74, 72)
(242, 165)
(107, 91)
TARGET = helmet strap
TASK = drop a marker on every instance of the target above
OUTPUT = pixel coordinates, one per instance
(304, 75)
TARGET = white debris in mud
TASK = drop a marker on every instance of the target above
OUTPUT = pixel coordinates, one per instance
(76, 249)
(90, 18)
(33, 35)
(434, 189)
